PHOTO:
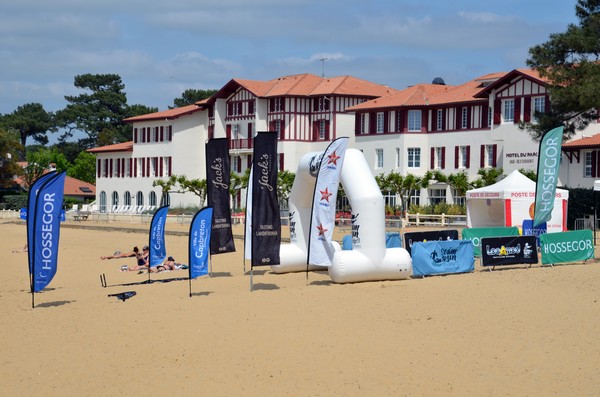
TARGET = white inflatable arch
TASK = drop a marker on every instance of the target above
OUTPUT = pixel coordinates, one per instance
(369, 260)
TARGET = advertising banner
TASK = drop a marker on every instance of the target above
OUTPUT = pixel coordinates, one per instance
(547, 172)
(499, 251)
(442, 257)
(571, 246)
(46, 233)
(199, 244)
(266, 218)
(218, 180)
(320, 250)
(439, 235)
(158, 251)
(475, 234)
(529, 230)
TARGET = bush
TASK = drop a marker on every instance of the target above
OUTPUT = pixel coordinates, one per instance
(456, 209)
(16, 202)
(441, 208)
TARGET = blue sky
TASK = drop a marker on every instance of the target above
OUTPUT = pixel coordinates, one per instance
(162, 48)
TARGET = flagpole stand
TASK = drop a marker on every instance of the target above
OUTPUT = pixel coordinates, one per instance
(251, 271)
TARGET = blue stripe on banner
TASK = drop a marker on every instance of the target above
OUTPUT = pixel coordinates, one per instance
(158, 251)
(48, 207)
(442, 257)
(199, 245)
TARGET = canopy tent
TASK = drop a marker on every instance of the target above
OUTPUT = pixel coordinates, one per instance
(509, 202)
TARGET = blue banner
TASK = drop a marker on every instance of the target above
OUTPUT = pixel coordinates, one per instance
(442, 257)
(199, 244)
(23, 214)
(46, 234)
(33, 192)
(529, 230)
(158, 251)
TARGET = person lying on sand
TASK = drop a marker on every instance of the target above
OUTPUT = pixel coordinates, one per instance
(119, 254)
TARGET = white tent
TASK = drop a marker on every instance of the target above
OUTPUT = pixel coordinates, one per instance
(509, 202)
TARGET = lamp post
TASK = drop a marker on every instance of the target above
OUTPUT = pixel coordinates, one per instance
(596, 188)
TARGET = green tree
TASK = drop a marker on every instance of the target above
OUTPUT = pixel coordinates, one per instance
(191, 96)
(9, 155)
(84, 168)
(29, 120)
(285, 181)
(165, 185)
(531, 174)
(98, 113)
(488, 176)
(196, 186)
(401, 185)
(569, 60)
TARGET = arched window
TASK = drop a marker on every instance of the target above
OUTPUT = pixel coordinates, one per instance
(152, 199)
(139, 198)
(102, 201)
(127, 198)
(115, 200)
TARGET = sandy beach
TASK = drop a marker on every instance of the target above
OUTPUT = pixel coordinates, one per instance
(515, 331)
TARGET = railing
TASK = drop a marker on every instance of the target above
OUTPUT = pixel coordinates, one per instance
(8, 214)
(434, 220)
(236, 144)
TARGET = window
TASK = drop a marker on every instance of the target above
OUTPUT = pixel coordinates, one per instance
(490, 114)
(379, 158)
(380, 123)
(154, 137)
(115, 199)
(439, 158)
(489, 156)
(152, 198)
(437, 196)
(102, 201)
(440, 121)
(235, 163)
(235, 131)
(278, 104)
(127, 168)
(415, 197)
(398, 158)
(458, 199)
(539, 106)
(463, 157)
(414, 157)
(414, 120)
(127, 198)
(278, 125)
(508, 111)
(139, 198)
(322, 129)
(587, 169)
(323, 104)
(464, 119)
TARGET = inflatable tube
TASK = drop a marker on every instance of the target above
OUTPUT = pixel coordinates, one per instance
(369, 260)
(293, 259)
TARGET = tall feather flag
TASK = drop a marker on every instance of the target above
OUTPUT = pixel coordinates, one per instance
(33, 192)
(320, 249)
(218, 181)
(158, 250)
(248, 218)
(199, 245)
(266, 219)
(547, 175)
(46, 230)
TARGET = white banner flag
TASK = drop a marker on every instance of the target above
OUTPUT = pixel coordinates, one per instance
(329, 167)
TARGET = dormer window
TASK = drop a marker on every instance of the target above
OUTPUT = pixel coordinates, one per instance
(508, 110)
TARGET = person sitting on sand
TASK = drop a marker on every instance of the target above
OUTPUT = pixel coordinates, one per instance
(119, 254)
(142, 260)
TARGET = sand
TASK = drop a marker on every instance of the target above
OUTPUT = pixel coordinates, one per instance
(515, 331)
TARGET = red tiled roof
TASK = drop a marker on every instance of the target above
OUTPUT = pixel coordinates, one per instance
(583, 143)
(75, 187)
(166, 114)
(508, 77)
(117, 147)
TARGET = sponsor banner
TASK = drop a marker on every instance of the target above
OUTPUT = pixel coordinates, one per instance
(547, 172)
(23, 213)
(266, 219)
(199, 244)
(158, 250)
(571, 246)
(248, 220)
(475, 234)
(320, 249)
(442, 257)
(32, 196)
(529, 230)
(46, 234)
(509, 250)
(417, 237)
(218, 180)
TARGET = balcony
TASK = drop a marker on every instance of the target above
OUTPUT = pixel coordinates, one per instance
(240, 144)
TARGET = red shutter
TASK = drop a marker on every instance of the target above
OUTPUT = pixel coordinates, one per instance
(130, 164)
(98, 168)
(280, 161)
(546, 104)
(468, 117)
(135, 137)
(249, 161)
(497, 111)
(527, 110)
(148, 135)
(494, 151)
(424, 120)
(160, 166)
(162, 134)
(456, 153)
(385, 123)
(170, 165)
(239, 163)
(443, 157)
(170, 133)
(432, 159)
(249, 130)
(272, 105)
(517, 110)
(143, 165)
(484, 116)
(457, 118)
(327, 129)
(482, 157)
(357, 123)
(110, 168)
(135, 174)
(372, 123)
(597, 162)
(468, 156)
(443, 119)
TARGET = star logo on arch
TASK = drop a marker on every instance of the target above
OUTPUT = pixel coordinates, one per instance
(321, 229)
(333, 158)
(325, 194)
